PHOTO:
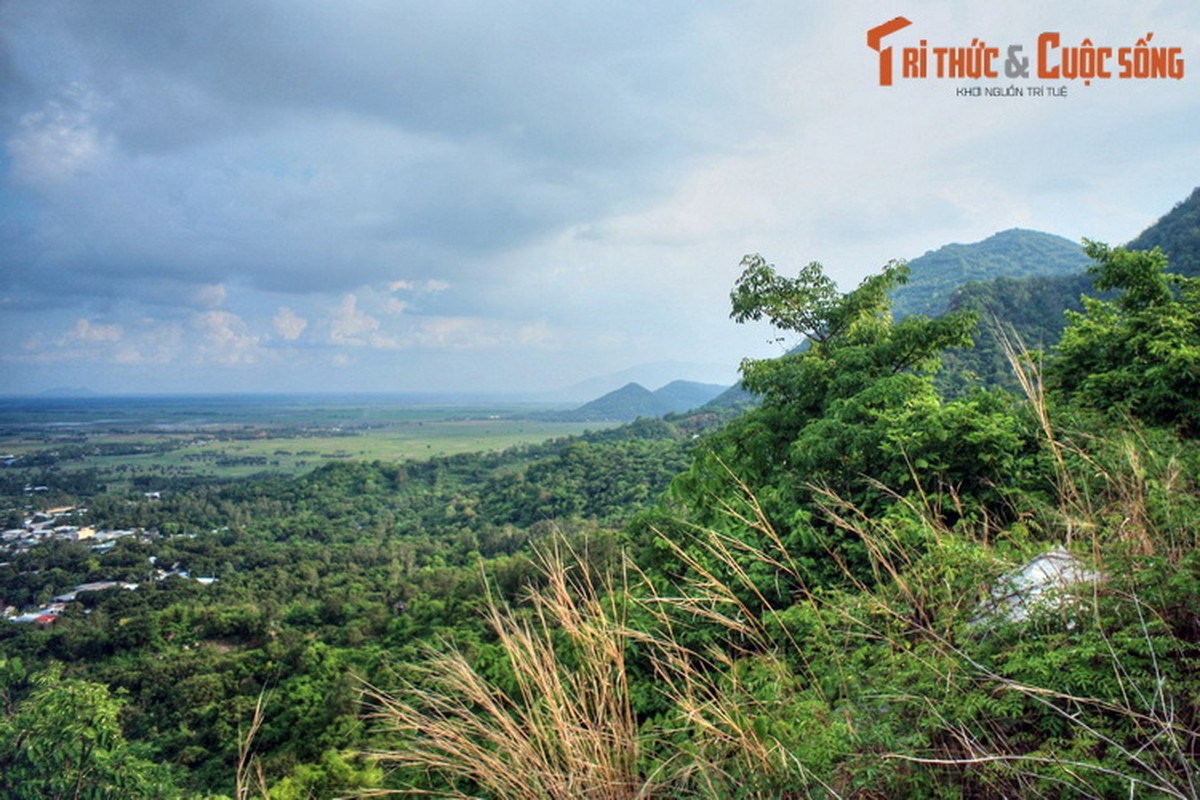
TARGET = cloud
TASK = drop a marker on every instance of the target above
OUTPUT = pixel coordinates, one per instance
(351, 327)
(479, 334)
(140, 342)
(211, 295)
(444, 188)
(430, 285)
(86, 331)
(288, 325)
(51, 145)
(157, 344)
(224, 338)
(253, 148)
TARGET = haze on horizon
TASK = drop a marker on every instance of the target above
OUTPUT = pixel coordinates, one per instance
(491, 197)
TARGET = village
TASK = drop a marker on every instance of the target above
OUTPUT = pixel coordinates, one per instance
(57, 524)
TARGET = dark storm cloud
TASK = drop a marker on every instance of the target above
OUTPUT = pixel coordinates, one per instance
(387, 193)
(309, 147)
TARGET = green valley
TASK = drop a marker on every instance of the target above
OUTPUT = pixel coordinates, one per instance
(892, 574)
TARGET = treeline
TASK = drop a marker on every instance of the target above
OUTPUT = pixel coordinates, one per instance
(821, 596)
(321, 581)
(832, 601)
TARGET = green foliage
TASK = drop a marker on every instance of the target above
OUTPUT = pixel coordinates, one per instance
(1140, 353)
(809, 304)
(847, 533)
(1177, 234)
(320, 578)
(1009, 258)
(855, 411)
(335, 775)
(64, 740)
(1030, 307)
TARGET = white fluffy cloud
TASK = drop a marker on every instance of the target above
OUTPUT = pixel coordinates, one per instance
(224, 338)
(288, 325)
(349, 326)
(86, 331)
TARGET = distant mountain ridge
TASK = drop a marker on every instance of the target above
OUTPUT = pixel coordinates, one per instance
(1017, 277)
(1178, 234)
(634, 400)
(655, 373)
(1033, 306)
(1015, 253)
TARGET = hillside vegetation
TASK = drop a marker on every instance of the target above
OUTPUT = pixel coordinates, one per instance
(821, 608)
(936, 276)
(1032, 301)
(822, 596)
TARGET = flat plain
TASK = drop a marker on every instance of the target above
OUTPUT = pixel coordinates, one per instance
(135, 440)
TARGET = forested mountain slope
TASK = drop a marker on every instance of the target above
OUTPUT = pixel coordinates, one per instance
(820, 596)
(1033, 306)
(935, 276)
(634, 400)
(1178, 234)
(835, 601)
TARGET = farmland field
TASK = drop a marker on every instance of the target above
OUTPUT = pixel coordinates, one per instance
(138, 440)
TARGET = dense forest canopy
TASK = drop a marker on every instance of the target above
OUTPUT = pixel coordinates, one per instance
(811, 597)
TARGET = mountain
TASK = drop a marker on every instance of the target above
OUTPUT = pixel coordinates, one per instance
(686, 395)
(634, 400)
(650, 374)
(629, 402)
(1017, 277)
(1033, 306)
(1015, 253)
(1178, 234)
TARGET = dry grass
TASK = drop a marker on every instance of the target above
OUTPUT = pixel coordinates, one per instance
(248, 777)
(562, 725)
(565, 729)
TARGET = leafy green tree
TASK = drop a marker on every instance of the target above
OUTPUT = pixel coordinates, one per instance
(64, 741)
(852, 410)
(334, 776)
(1138, 354)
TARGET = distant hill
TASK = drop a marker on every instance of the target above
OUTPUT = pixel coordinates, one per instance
(654, 373)
(1016, 253)
(686, 395)
(1034, 305)
(1178, 234)
(634, 400)
(730, 402)
(629, 402)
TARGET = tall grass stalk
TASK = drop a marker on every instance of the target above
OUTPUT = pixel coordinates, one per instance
(563, 729)
(560, 722)
(249, 778)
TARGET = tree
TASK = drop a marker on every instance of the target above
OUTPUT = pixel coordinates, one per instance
(852, 410)
(1140, 353)
(64, 741)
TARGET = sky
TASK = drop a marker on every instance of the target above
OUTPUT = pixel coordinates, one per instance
(514, 197)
